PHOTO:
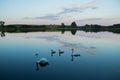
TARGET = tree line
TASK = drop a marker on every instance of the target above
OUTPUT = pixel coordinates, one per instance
(29, 28)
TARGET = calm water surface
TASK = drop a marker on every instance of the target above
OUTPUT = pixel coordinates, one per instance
(99, 56)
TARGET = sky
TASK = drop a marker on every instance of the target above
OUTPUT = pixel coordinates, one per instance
(103, 12)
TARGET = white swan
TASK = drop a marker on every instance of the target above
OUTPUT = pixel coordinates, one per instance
(74, 54)
(42, 62)
(60, 52)
(52, 52)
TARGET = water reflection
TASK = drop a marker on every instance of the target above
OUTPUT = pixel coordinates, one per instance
(73, 32)
(2, 33)
(62, 31)
(69, 44)
(80, 47)
(105, 49)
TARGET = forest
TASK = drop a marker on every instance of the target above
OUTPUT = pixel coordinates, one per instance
(115, 28)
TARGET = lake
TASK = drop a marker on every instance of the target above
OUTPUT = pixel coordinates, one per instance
(98, 56)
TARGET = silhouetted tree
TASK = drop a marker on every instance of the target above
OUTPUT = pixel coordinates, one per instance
(116, 25)
(62, 25)
(73, 25)
(2, 23)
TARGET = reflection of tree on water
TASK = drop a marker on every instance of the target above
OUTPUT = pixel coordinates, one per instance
(63, 31)
(73, 32)
(2, 33)
(2, 28)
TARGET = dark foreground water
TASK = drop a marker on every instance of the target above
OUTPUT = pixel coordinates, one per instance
(99, 56)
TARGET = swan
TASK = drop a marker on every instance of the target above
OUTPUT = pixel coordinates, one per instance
(42, 62)
(60, 52)
(75, 54)
(52, 52)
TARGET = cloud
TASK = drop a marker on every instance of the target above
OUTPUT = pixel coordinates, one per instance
(101, 21)
(64, 11)
(94, 7)
(76, 9)
(68, 10)
(51, 17)
(90, 19)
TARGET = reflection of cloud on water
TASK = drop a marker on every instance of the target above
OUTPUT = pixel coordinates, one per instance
(70, 42)
(79, 46)
(93, 48)
(90, 53)
(102, 35)
(66, 43)
(49, 38)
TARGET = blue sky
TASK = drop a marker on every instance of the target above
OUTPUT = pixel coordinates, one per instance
(104, 12)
